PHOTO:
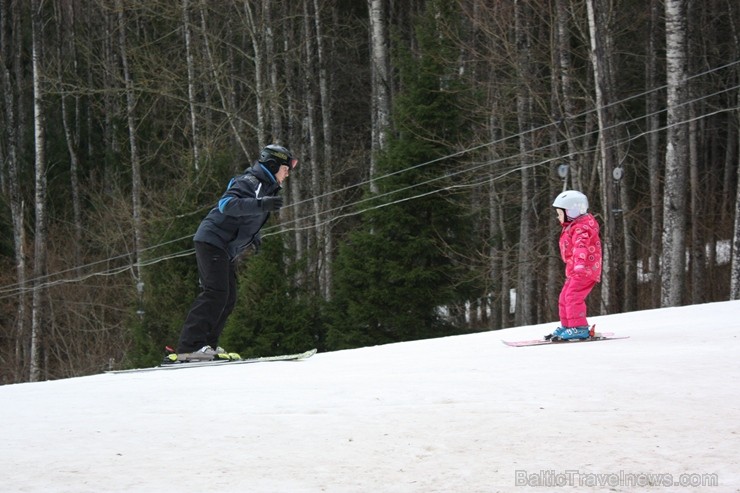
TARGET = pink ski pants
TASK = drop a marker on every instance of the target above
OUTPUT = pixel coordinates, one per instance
(572, 301)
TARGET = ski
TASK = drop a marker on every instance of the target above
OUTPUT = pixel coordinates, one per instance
(200, 364)
(599, 336)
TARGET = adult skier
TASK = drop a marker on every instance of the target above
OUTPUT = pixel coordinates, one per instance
(228, 229)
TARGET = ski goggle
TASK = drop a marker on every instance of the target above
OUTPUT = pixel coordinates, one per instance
(292, 163)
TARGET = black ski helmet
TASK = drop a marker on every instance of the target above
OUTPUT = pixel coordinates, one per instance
(273, 156)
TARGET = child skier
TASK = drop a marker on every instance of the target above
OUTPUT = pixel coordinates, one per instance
(580, 249)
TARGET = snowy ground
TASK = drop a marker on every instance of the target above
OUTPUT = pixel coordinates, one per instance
(458, 414)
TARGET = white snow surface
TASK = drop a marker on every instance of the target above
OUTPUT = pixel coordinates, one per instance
(654, 412)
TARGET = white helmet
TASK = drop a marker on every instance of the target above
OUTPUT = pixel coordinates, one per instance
(573, 202)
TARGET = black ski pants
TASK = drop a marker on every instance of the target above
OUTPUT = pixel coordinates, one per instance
(214, 304)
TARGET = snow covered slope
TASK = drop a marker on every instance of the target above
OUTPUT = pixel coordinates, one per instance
(457, 414)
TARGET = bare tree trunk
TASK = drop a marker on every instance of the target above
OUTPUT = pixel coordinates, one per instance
(629, 269)
(735, 261)
(560, 77)
(295, 137)
(525, 305)
(653, 151)
(10, 160)
(191, 83)
(40, 241)
(111, 103)
(498, 297)
(494, 259)
(312, 128)
(325, 231)
(21, 83)
(697, 253)
(259, 62)
(729, 166)
(699, 291)
(676, 160)
(276, 126)
(730, 157)
(87, 57)
(564, 69)
(70, 134)
(604, 87)
(134, 150)
(380, 63)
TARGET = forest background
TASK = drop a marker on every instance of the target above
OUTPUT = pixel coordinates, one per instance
(432, 137)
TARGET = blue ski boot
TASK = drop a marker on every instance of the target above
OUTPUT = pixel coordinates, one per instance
(569, 333)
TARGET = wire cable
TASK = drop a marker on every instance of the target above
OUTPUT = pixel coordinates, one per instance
(351, 209)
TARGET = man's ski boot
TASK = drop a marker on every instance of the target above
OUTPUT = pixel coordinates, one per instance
(562, 334)
(206, 353)
(231, 356)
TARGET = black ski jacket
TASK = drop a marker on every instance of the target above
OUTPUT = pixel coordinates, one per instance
(237, 219)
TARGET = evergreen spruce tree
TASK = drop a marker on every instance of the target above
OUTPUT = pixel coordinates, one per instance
(171, 286)
(393, 278)
(271, 316)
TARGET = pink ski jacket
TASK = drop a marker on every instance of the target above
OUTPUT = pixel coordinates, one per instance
(580, 248)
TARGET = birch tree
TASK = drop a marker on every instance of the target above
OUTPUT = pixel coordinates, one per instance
(676, 157)
(601, 56)
(38, 315)
(276, 120)
(295, 131)
(311, 129)
(136, 185)
(379, 68)
(254, 30)
(325, 230)
(189, 59)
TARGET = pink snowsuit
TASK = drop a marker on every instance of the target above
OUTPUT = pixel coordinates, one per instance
(580, 249)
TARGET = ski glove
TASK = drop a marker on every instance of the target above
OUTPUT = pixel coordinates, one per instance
(270, 204)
